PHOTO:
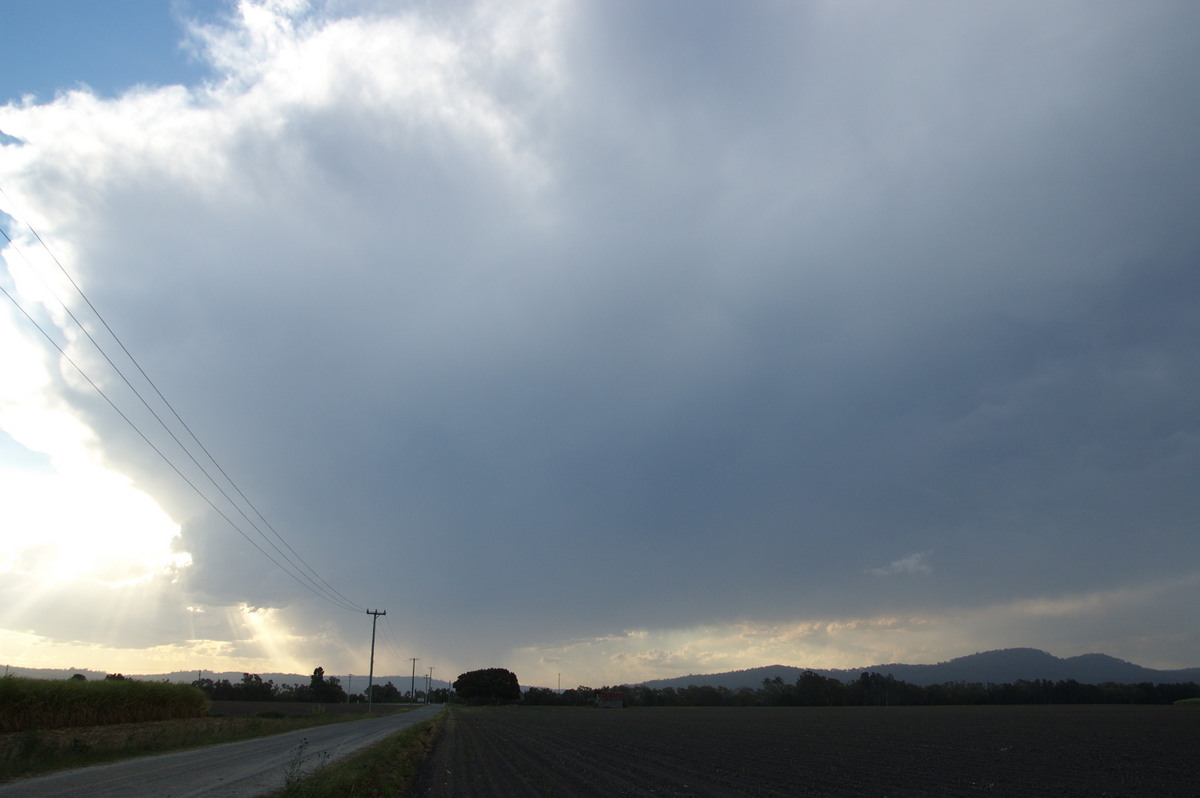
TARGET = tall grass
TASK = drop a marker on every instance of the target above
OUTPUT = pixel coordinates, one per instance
(27, 704)
(389, 767)
(32, 752)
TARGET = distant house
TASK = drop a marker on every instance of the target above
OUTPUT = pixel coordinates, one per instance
(610, 700)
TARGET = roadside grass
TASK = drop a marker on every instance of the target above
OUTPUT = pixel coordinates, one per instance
(33, 751)
(386, 768)
(1189, 702)
(49, 704)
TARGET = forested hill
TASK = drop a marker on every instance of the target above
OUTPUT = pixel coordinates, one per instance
(1007, 665)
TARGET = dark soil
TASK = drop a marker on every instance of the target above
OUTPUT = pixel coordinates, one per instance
(842, 751)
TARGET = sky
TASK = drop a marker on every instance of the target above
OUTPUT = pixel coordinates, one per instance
(600, 341)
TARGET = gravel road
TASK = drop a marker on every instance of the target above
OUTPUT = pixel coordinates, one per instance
(232, 770)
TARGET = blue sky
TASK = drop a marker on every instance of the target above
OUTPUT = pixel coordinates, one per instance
(55, 45)
(589, 340)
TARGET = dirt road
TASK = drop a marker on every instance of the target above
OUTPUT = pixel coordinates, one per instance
(234, 770)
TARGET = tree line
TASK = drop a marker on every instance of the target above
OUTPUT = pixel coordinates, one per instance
(320, 689)
(873, 689)
(497, 685)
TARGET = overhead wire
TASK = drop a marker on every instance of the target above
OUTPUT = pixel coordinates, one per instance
(149, 443)
(304, 573)
(391, 639)
(169, 406)
(314, 578)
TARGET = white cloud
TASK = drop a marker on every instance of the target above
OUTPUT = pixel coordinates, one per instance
(915, 564)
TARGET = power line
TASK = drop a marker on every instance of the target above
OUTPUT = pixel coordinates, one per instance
(391, 639)
(315, 579)
(304, 573)
(150, 443)
(169, 406)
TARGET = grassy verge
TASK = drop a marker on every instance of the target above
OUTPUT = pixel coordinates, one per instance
(387, 768)
(33, 752)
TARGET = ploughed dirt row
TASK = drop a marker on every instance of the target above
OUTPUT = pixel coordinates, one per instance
(839, 751)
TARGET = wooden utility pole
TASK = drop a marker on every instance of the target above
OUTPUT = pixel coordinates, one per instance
(412, 688)
(371, 673)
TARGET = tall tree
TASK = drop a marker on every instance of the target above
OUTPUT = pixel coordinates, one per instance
(488, 686)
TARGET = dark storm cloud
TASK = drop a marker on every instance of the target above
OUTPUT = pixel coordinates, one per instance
(750, 307)
(667, 366)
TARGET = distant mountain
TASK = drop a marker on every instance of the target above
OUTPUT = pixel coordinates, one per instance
(998, 667)
(51, 673)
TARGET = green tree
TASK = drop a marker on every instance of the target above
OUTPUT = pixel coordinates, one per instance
(776, 693)
(580, 696)
(385, 694)
(322, 690)
(815, 690)
(488, 686)
(540, 696)
(253, 688)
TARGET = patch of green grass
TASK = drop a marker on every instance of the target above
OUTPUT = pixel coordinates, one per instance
(1194, 702)
(33, 752)
(387, 768)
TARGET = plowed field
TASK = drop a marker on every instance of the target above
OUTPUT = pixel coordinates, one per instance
(842, 751)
